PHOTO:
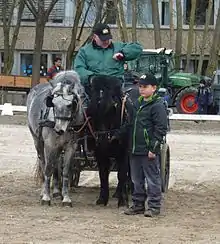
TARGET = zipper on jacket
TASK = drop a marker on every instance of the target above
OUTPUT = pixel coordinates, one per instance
(134, 133)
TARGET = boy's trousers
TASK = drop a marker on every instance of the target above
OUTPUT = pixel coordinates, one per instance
(144, 168)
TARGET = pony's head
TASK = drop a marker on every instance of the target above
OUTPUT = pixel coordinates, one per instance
(106, 102)
(65, 99)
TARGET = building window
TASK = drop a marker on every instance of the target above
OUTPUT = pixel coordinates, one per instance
(165, 12)
(194, 65)
(201, 12)
(27, 16)
(56, 15)
(91, 15)
(58, 12)
(26, 60)
(9, 8)
(144, 12)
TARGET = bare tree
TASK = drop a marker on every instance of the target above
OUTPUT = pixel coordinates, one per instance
(101, 14)
(214, 49)
(118, 21)
(41, 15)
(156, 23)
(134, 20)
(8, 28)
(179, 32)
(205, 35)
(171, 25)
(190, 34)
(79, 5)
(122, 20)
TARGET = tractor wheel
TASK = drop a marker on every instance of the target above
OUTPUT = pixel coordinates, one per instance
(165, 167)
(185, 101)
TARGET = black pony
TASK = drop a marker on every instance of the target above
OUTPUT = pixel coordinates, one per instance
(110, 121)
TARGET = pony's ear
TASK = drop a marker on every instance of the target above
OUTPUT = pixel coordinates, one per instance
(49, 102)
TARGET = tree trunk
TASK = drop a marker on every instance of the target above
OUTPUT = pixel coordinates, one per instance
(171, 25)
(118, 21)
(6, 31)
(156, 23)
(38, 45)
(205, 35)
(190, 34)
(10, 47)
(213, 56)
(122, 20)
(41, 16)
(72, 45)
(178, 49)
(134, 21)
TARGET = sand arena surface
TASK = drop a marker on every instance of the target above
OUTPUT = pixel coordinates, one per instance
(190, 214)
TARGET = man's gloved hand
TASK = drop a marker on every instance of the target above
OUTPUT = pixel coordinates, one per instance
(118, 56)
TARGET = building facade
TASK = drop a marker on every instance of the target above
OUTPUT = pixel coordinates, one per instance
(58, 30)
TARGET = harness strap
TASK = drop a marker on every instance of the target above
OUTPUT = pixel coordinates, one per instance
(124, 99)
(87, 122)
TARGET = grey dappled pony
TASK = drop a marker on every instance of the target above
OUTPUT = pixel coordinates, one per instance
(61, 99)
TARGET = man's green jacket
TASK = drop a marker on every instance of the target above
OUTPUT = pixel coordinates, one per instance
(93, 60)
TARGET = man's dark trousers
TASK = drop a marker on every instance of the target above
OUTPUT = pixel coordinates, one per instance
(142, 167)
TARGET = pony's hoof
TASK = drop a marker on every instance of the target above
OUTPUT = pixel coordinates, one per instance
(123, 203)
(66, 201)
(67, 204)
(43, 202)
(101, 201)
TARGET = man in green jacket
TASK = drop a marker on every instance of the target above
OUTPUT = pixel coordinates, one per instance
(104, 57)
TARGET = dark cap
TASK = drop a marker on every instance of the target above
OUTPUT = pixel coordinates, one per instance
(148, 79)
(102, 31)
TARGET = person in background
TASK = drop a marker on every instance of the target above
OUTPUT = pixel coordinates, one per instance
(204, 97)
(56, 68)
(128, 76)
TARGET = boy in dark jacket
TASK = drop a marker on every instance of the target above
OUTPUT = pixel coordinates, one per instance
(149, 130)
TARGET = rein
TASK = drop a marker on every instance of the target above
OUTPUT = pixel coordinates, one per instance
(87, 122)
(124, 99)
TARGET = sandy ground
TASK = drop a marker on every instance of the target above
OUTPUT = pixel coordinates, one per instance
(191, 209)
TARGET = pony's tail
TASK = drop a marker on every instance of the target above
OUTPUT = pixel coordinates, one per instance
(38, 173)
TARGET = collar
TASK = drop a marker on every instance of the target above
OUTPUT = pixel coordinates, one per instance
(98, 47)
(150, 99)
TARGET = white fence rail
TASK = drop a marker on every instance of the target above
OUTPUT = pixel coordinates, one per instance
(9, 109)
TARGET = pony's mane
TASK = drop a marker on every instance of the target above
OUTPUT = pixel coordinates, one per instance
(68, 77)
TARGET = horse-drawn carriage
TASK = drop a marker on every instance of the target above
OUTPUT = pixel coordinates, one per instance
(85, 160)
(65, 127)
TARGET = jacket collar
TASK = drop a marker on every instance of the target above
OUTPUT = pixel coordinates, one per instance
(151, 99)
(98, 47)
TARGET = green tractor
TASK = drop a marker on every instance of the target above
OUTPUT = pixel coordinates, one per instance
(181, 87)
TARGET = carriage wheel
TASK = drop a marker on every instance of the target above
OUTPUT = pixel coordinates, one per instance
(165, 167)
(74, 178)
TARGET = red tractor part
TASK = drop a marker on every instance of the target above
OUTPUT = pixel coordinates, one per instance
(185, 101)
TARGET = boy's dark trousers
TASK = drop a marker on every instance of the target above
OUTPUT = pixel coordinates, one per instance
(142, 167)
